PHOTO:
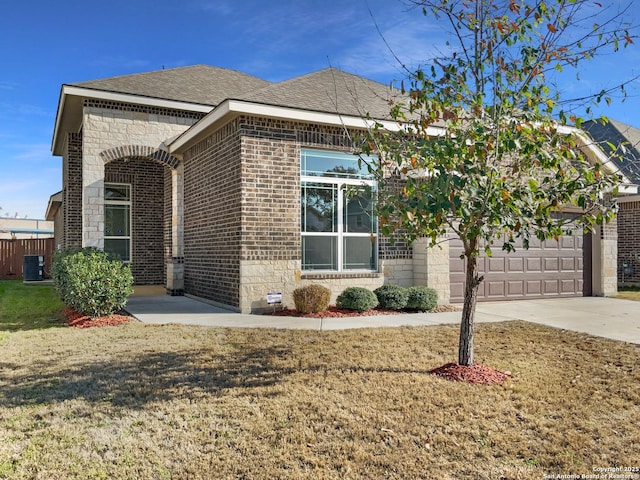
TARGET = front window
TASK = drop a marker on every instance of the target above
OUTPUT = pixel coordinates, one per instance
(117, 220)
(339, 228)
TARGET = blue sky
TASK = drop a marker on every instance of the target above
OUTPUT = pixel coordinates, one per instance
(47, 43)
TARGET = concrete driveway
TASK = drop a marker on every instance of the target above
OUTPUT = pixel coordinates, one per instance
(605, 317)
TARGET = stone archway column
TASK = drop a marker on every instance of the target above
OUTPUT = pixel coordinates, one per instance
(92, 201)
(175, 263)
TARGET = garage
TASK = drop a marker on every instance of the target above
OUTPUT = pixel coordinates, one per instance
(550, 268)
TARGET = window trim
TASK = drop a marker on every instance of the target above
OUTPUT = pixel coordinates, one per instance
(128, 203)
(339, 234)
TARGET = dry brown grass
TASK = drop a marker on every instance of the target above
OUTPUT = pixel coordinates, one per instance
(172, 402)
(629, 295)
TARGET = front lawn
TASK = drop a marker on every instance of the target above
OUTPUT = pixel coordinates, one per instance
(177, 402)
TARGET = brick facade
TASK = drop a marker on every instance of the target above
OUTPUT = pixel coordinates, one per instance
(242, 215)
(146, 178)
(212, 217)
(629, 242)
(72, 191)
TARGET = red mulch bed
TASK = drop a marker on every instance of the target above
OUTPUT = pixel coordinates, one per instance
(332, 312)
(77, 320)
(477, 374)
(336, 312)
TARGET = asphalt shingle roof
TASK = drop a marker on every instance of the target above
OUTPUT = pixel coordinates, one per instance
(619, 134)
(330, 90)
(201, 84)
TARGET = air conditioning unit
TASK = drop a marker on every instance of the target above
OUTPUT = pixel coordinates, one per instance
(33, 268)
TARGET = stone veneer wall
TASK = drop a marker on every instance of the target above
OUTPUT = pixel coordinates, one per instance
(604, 260)
(609, 252)
(212, 217)
(107, 125)
(629, 241)
(146, 178)
(72, 191)
(431, 268)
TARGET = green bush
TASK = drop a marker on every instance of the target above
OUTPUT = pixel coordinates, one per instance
(421, 298)
(90, 281)
(311, 298)
(357, 298)
(393, 297)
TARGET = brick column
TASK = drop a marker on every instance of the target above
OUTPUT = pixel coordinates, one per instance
(431, 267)
(175, 263)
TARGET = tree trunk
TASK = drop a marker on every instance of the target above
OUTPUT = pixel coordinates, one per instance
(472, 282)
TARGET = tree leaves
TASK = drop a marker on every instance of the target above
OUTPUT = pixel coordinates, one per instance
(500, 163)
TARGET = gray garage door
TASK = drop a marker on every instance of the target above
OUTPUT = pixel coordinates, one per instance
(548, 269)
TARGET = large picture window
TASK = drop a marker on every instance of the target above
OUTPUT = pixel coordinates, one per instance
(339, 227)
(117, 220)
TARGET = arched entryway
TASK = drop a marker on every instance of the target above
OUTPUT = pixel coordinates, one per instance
(152, 179)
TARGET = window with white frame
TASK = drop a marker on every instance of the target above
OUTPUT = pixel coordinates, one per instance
(339, 227)
(117, 220)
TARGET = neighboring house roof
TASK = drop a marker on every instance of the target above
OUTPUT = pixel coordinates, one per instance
(330, 91)
(201, 84)
(620, 138)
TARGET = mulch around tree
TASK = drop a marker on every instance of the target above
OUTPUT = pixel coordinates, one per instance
(78, 320)
(477, 374)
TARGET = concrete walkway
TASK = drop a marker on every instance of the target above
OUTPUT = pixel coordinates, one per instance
(605, 317)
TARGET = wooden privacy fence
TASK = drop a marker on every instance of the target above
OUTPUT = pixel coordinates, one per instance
(12, 254)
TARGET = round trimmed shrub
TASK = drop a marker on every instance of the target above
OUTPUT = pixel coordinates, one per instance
(421, 298)
(393, 297)
(91, 282)
(311, 298)
(357, 298)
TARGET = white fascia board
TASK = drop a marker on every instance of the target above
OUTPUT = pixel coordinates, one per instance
(588, 143)
(626, 186)
(132, 98)
(71, 90)
(627, 189)
(240, 107)
(56, 127)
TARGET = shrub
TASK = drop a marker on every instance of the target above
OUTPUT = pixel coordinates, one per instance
(357, 298)
(311, 298)
(393, 297)
(90, 281)
(421, 298)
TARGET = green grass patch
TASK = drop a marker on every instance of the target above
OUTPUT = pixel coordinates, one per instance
(28, 307)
